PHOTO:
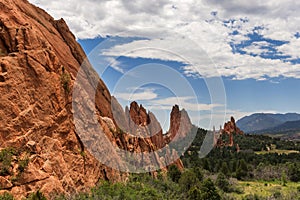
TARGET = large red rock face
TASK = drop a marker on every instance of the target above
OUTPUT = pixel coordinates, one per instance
(179, 131)
(37, 53)
(39, 60)
(146, 124)
(180, 124)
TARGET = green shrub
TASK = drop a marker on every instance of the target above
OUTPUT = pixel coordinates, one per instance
(209, 191)
(284, 178)
(36, 196)
(13, 179)
(198, 172)
(65, 80)
(6, 196)
(5, 160)
(174, 173)
(223, 183)
(252, 197)
(277, 195)
(23, 164)
(188, 180)
(83, 154)
(194, 193)
(60, 197)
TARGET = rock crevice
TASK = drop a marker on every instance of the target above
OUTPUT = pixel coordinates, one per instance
(36, 114)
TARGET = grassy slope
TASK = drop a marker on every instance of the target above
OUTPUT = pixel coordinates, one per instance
(266, 189)
(279, 151)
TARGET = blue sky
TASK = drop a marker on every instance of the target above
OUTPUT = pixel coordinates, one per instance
(216, 59)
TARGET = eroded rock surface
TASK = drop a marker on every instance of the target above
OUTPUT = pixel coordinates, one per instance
(230, 128)
(39, 61)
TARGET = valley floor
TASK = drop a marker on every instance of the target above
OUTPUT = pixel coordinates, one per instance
(266, 190)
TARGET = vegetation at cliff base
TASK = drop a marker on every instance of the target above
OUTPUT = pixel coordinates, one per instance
(261, 168)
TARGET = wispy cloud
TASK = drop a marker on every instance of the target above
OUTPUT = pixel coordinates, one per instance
(147, 94)
(115, 64)
(152, 100)
(188, 103)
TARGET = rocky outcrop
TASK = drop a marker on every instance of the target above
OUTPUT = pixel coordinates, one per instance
(145, 133)
(138, 122)
(39, 60)
(145, 124)
(230, 129)
(180, 124)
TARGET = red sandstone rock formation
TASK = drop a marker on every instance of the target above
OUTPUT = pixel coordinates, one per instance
(230, 129)
(145, 125)
(39, 61)
(180, 124)
(35, 107)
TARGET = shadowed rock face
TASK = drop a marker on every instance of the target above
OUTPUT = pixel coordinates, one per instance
(39, 60)
(180, 124)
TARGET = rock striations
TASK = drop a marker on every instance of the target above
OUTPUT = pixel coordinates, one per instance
(39, 60)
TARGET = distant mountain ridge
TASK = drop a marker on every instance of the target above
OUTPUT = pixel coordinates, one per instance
(286, 127)
(261, 122)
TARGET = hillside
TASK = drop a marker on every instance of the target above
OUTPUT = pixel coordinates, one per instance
(286, 126)
(262, 121)
(287, 130)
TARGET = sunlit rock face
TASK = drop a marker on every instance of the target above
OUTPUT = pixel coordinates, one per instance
(39, 62)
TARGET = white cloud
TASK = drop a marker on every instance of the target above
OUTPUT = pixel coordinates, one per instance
(291, 48)
(152, 99)
(189, 32)
(147, 94)
(187, 103)
(115, 64)
(217, 59)
(256, 48)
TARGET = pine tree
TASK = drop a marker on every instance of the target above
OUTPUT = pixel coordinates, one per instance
(209, 191)
(222, 182)
(174, 173)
